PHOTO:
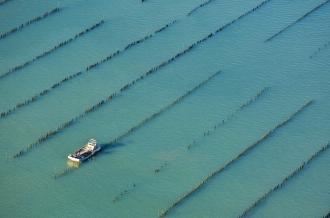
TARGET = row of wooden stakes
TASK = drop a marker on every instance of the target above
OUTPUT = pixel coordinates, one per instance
(60, 45)
(284, 181)
(296, 21)
(72, 76)
(122, 194)
(36, 19)
(151, 71)
(162, 110)
(197, 187)
(128, 85)
(324, 46)
(199, 6)
(109, 98)
(151, 117)
(229, 117)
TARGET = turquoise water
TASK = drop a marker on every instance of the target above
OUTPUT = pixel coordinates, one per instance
(247, 63)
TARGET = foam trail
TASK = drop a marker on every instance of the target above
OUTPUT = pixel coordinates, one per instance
(153, 70)
(151, 117)
(284, 181)
(58, 84)
(61, 44)
(230, 116)
(197, 187)
(297, 21)
(34, 20)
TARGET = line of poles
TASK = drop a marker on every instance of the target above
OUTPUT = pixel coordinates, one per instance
(154, 115)
(157, 170)
(72, 76)
(153, 70)
(199, 6)
(248, 149)
(162, 110)
(64, 172)
(34, 20)
(284, 181)
(166, 26)
(297, 21)
(324, 46)
(130, 45)
(230, 116)
(122, 194)
(61, 44)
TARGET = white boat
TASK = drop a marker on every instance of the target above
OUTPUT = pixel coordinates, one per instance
(85, 152)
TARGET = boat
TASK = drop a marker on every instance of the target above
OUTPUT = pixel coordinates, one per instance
(87, 151)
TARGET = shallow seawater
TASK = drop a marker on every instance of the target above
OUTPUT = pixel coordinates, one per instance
(174, 146)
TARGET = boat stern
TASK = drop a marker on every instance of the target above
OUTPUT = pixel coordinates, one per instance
(73, 159)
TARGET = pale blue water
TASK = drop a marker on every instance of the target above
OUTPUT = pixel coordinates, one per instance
(248, 64)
